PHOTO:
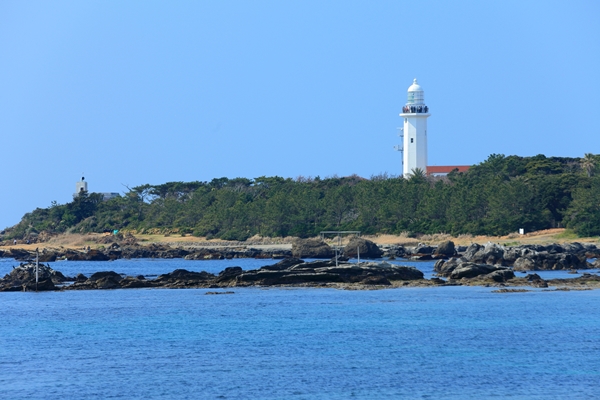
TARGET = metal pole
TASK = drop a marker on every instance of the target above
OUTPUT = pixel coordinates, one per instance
(37, 264)
(336, 264)
(358, 253)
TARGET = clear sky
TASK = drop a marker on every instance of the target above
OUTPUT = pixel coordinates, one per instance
(135, 92)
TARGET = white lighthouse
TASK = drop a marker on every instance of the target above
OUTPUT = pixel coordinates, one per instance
(415, 114)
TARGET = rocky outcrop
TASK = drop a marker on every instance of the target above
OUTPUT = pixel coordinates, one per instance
(181, 278)
(228, 253)
(423, 249)
(286, 272)
(19, 254)
(23, 278)
(546, 261)
(363, 247)
(459, 268)
(327, 271)
(491, 253)
(116, 251)
(98, 280)
(531, 257)
(394, 251)
(311, 248)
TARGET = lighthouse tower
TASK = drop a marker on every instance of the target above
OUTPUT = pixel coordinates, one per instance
(415, 114)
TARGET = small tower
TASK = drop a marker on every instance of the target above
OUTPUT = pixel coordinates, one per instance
(415, 114)
(80, 186)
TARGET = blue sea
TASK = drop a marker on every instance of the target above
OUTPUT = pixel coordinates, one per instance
(300, 343)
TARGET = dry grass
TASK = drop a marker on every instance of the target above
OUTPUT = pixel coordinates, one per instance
(558, 235)
(73, 240)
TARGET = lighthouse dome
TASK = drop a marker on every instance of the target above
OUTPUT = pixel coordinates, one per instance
(415, 94)
(415, 87)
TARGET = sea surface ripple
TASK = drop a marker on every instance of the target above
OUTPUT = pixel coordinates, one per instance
(301, 343)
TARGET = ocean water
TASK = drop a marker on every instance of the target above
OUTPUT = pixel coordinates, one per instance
(443, 342)
(151, 267)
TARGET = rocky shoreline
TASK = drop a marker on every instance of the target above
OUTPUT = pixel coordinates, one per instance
(524, 257)
(483, 265)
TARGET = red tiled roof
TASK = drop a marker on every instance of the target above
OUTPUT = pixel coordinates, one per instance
(446, 169)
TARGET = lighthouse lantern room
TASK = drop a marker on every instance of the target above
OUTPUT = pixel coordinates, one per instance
(415, 114)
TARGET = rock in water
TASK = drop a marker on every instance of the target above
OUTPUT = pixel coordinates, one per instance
(367, 248)
(311, 248)
(23, 278)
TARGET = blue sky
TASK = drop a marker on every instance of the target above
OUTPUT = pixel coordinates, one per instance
(131, 92)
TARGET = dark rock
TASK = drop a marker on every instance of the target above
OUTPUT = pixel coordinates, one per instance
(107, 282)
(541, 283)
(394, 251)
(363, 247)
(424, 249)
(470, 252)
(533, 277)
(328, 272)
(23, 277)
(554, 248)
(307, 278)
(501, 275)
(80, 278)
(546, 261)
(20, 254)
(57, 276)
(283, 264)
(181, 278)
(41, 286)
(229, 273)
(574, 247)
(445, 268)
(472, 270)
(312, 265)
(446, 249)
(311, 248)
(439, 265)
(403, 273)
(491, 253)
(185, 275)
(376, 280)
(134, 283)
(105, 274)
(49, 256)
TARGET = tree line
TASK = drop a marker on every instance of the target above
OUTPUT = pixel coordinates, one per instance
(496, 197)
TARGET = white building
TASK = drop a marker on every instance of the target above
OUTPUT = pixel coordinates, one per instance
(80, 187)
(415, 114)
